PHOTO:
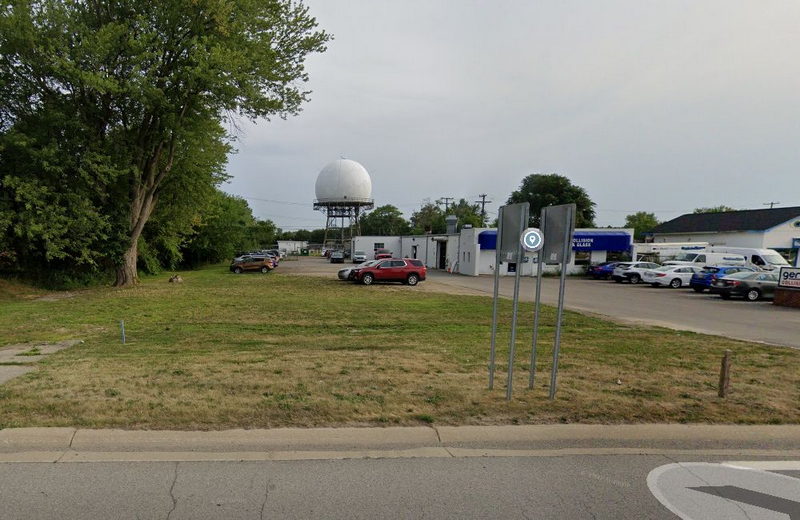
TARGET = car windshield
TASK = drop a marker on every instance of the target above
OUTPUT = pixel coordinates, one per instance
(711, 269)
(775, 259)
(359, 252)
(665, 268)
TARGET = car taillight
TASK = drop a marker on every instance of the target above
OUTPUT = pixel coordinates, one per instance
(661, 274)
(733, 282)
(713, 277)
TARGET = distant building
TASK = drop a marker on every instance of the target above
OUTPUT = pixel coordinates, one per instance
(776, 228)
(292, 247)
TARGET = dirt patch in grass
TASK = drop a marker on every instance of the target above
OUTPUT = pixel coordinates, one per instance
(224, 351)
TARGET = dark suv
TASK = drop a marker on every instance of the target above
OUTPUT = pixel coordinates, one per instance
(405, 270)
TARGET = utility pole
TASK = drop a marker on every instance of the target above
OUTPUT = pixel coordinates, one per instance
(446, 202)
(483, 202)
(770, 204)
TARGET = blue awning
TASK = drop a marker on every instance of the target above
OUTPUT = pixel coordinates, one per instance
(581, 240)
(487, 239)
(601, 241)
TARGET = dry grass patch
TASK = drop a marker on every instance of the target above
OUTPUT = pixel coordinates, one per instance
(223, 351)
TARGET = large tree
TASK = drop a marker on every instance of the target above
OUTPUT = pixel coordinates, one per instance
(642, 222)
(467, 213)
(383, 221)
(428, 219)
(541, 190)
(122, 87)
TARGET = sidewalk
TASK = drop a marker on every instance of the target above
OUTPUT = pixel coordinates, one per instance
(79, 445)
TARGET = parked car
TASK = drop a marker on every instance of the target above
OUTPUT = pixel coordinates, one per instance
(348, 273)
(382, 253)
(752, 286)
(405, 270)
(703, 280)
(337, 257)
(252, 263)
(602, 271)
(631, 271)
(359, 256)
(674, 276)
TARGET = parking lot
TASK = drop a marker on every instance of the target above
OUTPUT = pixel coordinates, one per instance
(674, 308)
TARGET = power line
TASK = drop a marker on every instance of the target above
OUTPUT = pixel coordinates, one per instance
(446, 202)
(770, 204)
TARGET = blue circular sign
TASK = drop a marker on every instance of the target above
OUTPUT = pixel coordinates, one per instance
(532, 239)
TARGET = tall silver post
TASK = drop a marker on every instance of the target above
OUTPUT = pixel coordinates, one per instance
(536, 305)
(512, 344)
(562, 286)
(122, 330)
(492, 350)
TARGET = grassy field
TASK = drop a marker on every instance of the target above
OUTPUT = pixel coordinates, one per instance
(222, 351)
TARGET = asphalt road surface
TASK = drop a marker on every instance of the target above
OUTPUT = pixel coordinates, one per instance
(674, 308)
(574, 487)
(642, 304)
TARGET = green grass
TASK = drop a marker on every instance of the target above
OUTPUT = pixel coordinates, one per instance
(223, 351)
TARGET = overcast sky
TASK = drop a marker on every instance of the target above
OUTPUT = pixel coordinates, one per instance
(661, 106)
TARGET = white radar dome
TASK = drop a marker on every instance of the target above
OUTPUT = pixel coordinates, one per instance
(345, 181)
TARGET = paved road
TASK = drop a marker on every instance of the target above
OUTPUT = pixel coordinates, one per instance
(674, 308)
(575, 487)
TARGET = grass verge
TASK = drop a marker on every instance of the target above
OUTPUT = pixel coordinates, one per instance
(224, 351)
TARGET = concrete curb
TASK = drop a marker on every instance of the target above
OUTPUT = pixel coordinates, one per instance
(527, 437)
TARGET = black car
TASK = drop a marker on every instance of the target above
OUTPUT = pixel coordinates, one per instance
(752, 286)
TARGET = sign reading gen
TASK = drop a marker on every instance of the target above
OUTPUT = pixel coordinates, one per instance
(789, 277)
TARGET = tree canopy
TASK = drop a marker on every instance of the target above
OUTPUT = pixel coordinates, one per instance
(541, 190)
(103, 104)
(384, 221)
(642, 222)
(714, 209)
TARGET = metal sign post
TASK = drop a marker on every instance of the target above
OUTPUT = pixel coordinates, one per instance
(512, 346)
(569, 229)
(536, 306)
(512, 220)
(492, 350)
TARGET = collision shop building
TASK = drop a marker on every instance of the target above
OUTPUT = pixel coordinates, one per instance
(472, 251)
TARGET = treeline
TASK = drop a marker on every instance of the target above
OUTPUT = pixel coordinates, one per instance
(113, 121)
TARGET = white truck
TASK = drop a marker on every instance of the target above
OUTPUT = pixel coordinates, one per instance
(704, 258)
(766, 259)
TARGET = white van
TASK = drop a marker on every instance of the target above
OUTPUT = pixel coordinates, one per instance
(704, 258)
(768, 259)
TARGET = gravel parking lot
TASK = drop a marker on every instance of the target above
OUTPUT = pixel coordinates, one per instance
(674, 308)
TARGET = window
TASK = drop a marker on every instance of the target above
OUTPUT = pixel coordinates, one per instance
(417, 263)
(378, 245)
(700, 259)
(398, 263)
(757, 260)
(582, 257)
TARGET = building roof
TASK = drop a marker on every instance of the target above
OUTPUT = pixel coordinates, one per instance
(746, 220)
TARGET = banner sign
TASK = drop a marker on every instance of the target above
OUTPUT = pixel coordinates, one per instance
(599, 241)
(789, 277)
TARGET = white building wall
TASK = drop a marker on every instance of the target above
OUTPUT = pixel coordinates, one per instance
(780, 237)
(368, 244)
(292, 246)
(733, 239)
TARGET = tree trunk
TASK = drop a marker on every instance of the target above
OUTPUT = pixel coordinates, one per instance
(126, 272)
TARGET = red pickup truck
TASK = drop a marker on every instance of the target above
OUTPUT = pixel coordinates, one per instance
(405, 270)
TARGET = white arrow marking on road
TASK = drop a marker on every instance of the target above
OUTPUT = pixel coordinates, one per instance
(695, 491)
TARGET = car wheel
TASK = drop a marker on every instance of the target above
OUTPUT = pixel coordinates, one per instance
(675, 283)
(367, 279)
(698, 289)
(238, 270)
(725, 296)
(635, 278)
(753, 295)
(264, 269)
(412, 279)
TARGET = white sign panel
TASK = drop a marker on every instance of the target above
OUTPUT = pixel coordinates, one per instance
(789, 277)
